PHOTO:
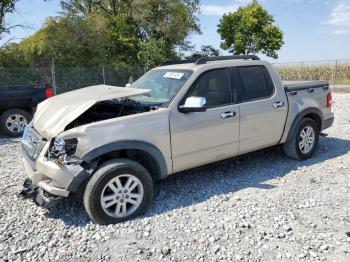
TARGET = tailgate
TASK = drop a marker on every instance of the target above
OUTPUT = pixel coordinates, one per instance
(31, 94)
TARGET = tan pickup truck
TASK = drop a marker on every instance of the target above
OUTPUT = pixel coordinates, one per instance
(113, 143)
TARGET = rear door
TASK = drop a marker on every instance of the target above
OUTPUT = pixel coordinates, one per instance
(204, 137)
(263, 108)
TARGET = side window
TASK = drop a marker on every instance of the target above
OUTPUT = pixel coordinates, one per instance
(255, 83)
(214, 85)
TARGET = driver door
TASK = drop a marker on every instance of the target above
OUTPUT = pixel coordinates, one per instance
(200, 138)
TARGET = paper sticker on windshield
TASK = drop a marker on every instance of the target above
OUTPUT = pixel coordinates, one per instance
(174, 75)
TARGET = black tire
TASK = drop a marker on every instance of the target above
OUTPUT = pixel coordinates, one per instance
(8, 114)
(106, 172)
(292, 149)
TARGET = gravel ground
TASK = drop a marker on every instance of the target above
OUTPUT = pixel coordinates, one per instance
(263, 207)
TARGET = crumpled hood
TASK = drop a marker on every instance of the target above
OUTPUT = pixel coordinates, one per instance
(55, 113)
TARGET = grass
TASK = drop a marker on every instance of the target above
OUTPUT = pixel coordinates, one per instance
(343, 82)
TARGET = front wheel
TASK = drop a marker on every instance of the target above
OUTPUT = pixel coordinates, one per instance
(120, 189)
(304, 142)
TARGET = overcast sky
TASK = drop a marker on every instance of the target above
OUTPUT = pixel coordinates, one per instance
(313, 29)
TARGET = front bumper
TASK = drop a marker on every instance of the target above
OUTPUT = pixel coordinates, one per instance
(43, 178)
(39, 196)
(58, 180)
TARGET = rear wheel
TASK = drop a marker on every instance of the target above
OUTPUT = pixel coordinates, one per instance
(304, 142)
(14, 121)
(119, 190)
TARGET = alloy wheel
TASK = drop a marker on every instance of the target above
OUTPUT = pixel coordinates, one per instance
(16, 123)
(122, 196)
(306, 139)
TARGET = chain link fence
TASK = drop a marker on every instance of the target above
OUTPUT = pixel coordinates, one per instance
(25, 76)
(65, 79)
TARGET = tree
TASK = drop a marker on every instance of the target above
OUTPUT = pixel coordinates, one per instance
(70, 40)
(6, 7)
(152, 53)
(125, 34)
(206, 50)
(140, 31)
(250, 30)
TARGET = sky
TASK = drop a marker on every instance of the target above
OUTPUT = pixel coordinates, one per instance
(313, 29)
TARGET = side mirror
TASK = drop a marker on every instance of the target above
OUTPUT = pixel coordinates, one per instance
(193, 104)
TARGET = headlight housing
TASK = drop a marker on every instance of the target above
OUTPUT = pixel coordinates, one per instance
(62, 151)
(58, 145)
(64, 146)
(25, 133)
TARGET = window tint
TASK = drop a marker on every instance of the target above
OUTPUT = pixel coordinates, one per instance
(215, 86)
(255, 83)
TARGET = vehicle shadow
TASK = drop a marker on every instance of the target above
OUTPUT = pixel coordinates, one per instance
(229, 176)
(5, 140)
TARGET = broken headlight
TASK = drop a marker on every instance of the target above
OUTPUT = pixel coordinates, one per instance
(62, 151)
(58, 144)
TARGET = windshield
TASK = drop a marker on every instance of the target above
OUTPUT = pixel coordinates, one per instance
(163, 85)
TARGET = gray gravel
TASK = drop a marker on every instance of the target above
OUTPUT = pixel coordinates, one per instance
(262, 207)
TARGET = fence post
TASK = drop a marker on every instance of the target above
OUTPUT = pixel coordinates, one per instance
(335, 73)
(53, 76)
(103, 75)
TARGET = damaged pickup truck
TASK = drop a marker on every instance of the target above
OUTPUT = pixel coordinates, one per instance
(113, 143)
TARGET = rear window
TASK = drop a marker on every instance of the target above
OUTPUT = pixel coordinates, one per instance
(255, 83)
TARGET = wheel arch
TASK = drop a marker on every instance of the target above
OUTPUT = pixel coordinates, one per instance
(312, 113)
(144, 153)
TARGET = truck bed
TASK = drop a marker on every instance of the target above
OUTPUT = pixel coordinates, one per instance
(290, 86)
(23, 96)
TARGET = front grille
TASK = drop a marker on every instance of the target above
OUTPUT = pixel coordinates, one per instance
(32, 142)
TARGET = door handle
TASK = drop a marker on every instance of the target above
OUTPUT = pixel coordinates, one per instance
(228, 114)
(277, 104)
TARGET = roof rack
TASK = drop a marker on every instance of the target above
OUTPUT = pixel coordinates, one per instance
(177, 62)
(204, 60)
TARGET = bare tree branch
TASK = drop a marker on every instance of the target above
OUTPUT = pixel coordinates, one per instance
(7, 29)
(6, 7)
(8, 41)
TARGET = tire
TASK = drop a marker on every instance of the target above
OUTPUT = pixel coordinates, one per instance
(13, 122)
(293, 149)
(101, 184)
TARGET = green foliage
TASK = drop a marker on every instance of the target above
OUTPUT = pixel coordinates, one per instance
(152, 53)
(130, 32)
(171, 20)
(125, 36)
(206, 50)
(250, 30)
